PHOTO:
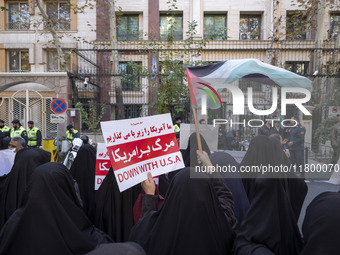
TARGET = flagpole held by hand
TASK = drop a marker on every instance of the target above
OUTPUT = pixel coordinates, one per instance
(199, 144)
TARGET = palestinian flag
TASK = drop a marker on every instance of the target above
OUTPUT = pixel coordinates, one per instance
(210, 79)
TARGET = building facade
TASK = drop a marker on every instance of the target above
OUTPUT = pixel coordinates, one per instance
(31, 72)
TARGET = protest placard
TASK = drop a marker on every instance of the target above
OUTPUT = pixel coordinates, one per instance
(137, 146)
(103, 164)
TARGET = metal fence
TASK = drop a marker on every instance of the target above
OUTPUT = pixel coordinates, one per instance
(299, 56)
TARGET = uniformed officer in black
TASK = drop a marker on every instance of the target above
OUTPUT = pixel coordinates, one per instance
(18, 130)
(296, 144)
(4, 132)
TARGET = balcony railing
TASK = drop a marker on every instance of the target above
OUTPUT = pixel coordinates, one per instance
(18, 25)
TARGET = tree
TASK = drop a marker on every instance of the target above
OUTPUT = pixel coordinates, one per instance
(324, 132)
(92, 118)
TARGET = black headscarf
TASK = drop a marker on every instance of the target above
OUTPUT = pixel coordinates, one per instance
(25, 162)
(241, 202)
(261, 151)
(321, 226)
(190, 221)
(50, 219)
(270, 225)
(83, 171)
(190, 156)
(114, 209)
(296, 187)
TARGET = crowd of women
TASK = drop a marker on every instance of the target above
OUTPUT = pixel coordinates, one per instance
(47, 209)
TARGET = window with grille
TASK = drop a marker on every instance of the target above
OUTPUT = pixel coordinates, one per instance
(334, 25)
(245, 83)
(296, 25)
(54, 62)
(130, 75)
(250, 27)
(133, 111)
(299, 67)
(171, 27)
(19, 61)
(59, 14)
(215, 25)
(128, 27)
(18, 16)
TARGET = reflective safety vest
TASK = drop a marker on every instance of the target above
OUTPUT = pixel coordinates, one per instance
(17, 132)
(5, 129)
(32, 136)
(176, 128)
(69, 136)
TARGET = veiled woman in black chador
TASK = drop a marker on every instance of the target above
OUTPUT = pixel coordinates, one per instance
(270, 226)
(25, 163)
(50, 219)
(190, 221)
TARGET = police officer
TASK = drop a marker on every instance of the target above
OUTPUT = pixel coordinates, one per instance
(267, 128)
(4, 132)
(178, 124)
(296, 144)
(34, 135)
(18, 130)
(71, 133)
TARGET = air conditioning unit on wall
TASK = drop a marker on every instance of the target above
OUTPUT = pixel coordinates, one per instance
(245, 36)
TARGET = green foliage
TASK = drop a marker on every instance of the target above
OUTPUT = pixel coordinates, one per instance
(91, 117)
(169, 81)
(324, 132)
(171, 92)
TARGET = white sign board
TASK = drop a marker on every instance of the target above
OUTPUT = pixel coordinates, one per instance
(333, 111)
(141, 145)
(209, 133)
(57, 118)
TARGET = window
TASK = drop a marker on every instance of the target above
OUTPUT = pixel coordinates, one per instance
(18, 16)
(133, 111)
(245, 83)
(216, 26)
(130, 75)
(250, 27)
(59, 13)
(296, 25)
(54, 63)
(171, 27)
(128, 27)
(19, 61)
(335, 25)
(299, 67)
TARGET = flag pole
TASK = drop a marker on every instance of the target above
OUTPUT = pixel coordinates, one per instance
(199, 143)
